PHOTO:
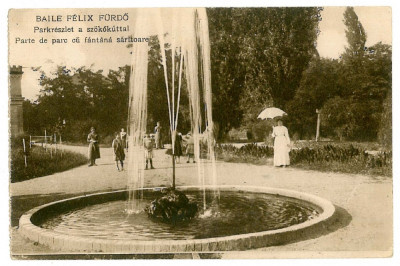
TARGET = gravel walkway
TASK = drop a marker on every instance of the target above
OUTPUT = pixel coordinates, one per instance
(364, 227)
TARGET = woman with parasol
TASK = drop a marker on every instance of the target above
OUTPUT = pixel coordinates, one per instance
(281, 136)
(281, 145)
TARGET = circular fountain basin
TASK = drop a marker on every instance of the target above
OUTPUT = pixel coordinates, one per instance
(247, 217)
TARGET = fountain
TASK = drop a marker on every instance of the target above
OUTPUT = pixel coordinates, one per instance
(231, 217)
(190, 43)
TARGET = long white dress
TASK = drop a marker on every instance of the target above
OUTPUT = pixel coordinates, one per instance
(281, 149)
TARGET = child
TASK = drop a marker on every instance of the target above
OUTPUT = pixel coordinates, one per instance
(123, 139)
(189, 147)
(148, 150)
(118, 148)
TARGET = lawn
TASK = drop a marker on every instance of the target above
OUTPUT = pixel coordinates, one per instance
(40, 161)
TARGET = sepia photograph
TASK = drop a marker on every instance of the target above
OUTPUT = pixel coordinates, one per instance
(200, 132)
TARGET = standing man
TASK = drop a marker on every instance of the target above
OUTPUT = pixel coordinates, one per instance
(157, 131)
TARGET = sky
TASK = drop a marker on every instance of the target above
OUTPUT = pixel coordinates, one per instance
(331, 41)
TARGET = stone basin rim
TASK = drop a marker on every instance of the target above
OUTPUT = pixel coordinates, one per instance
(233, 242)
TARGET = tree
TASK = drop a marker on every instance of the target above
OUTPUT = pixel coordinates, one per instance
(227, 71)
(62, 97)
(364, 82)
(31, 123)
(157, 103)
(349, 120)
(277, 46)
(258, 56)
(385, 127)
(119, 84)
(380, 68)
(356, 39)
(82, 98)
(318, 84)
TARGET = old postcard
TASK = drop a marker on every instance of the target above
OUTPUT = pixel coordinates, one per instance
(200, 133)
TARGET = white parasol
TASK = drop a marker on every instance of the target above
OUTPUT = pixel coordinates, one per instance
(270, 113)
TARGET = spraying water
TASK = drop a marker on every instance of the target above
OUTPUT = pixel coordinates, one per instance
(188, 39)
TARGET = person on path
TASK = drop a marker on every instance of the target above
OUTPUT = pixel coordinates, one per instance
(189, 147)
(157, 131)
(281, 145)
(93, 150)
(118, 149)
(148, 144)
(178, 146)
(123, 138)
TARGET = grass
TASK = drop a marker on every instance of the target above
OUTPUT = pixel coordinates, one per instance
(326, 157)
(40, 162)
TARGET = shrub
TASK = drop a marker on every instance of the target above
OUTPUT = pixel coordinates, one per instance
(249, 153)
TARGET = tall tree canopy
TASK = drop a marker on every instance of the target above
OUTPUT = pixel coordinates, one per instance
(365, 81)
(228, 72)
(353, 92)
(258, 57)
(278, 46)
(356, 38)
(319, 84)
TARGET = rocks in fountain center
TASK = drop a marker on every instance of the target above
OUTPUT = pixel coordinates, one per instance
(172, 207)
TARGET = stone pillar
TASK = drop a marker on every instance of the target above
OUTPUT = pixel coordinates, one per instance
(16, 100)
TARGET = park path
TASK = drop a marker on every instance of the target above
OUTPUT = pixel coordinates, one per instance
(366, 201)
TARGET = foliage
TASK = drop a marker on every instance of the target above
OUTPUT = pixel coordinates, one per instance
(337, 117)
(39, 161)
(385, 130)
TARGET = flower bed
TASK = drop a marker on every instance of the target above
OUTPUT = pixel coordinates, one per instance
(340, 157)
